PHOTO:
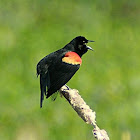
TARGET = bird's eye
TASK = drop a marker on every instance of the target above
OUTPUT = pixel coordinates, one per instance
(84, 42)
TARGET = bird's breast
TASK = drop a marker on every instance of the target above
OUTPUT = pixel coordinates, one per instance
(72, 58)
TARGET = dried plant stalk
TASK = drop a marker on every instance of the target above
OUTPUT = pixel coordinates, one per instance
(84, 111)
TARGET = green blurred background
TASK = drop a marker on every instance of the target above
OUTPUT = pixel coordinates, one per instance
(108, 80)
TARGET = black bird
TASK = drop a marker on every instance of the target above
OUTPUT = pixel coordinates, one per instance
(57, 68)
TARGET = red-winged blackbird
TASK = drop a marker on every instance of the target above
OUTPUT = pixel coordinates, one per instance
(57, 68)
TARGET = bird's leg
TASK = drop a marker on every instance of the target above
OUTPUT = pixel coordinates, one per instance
(45, 92)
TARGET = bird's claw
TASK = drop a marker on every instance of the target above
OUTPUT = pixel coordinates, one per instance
(67, 87)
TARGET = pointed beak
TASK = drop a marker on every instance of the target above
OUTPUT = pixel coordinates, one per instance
(89, 48)
(91, 41)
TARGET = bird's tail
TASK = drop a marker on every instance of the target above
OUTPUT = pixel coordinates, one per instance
(42, 88)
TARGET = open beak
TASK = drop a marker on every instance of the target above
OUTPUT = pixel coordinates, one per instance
(91, 41)
(88, 47)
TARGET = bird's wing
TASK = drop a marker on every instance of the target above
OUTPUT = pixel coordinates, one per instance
(63, 73)
(42, 70)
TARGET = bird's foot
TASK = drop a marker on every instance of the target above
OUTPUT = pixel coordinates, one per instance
(67, 87)
(64, 89)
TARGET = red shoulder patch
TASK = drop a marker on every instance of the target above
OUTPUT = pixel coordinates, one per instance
(72, 58)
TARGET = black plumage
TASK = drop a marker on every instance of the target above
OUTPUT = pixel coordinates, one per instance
(55, 71)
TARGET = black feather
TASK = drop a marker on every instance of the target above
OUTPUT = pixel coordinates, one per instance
(42, 88)
(54, 73)
(63, 73)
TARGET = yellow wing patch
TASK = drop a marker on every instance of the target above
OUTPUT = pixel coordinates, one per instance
(72, 58)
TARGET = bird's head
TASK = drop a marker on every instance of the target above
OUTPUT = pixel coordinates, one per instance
(80, 45)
